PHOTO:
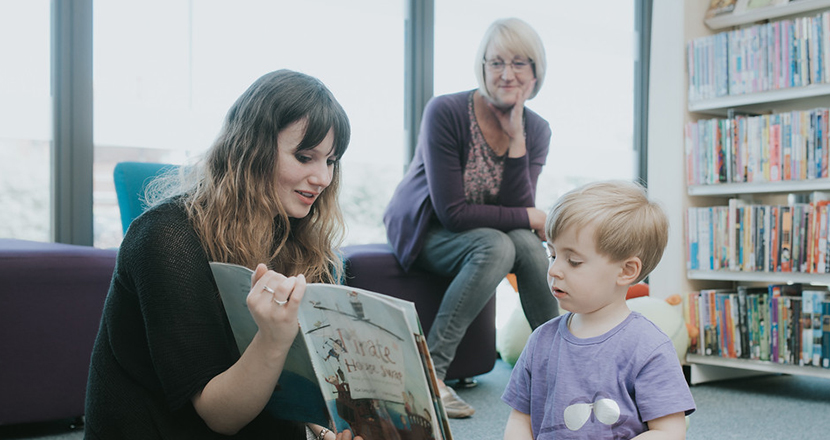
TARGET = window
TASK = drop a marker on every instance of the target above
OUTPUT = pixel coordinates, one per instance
(161, 96)
(25, 120)
(165, 73)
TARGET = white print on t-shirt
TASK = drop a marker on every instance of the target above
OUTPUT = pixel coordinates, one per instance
(606, 411)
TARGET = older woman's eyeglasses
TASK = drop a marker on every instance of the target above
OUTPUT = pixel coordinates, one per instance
(496, 65)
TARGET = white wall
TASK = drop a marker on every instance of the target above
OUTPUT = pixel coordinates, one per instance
(666, 115)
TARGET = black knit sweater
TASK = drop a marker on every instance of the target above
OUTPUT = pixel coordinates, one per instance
(163, 336)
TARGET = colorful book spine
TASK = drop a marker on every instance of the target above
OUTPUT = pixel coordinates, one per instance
(818, 329)
(786, 231)
(773, 313)
(764, 326)
(754, 331)
(806, 327)
(743, 326)
(825, 346)
(795, 332)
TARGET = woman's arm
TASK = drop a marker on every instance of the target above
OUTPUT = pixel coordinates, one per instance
(442, 141)
(521, 175)
(233, 398)
(518, 426)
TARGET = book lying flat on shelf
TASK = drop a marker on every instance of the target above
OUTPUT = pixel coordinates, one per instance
(720, 7)
(359, 361)
(755, 4)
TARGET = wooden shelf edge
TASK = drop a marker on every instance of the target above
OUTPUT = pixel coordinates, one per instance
(759, 187)
(747, 17)
(769, 277)
(723, 103)
(754, 365)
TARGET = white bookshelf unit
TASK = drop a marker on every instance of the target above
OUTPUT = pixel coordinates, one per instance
(709, 368)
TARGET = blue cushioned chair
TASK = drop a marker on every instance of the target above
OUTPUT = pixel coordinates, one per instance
(131, 179)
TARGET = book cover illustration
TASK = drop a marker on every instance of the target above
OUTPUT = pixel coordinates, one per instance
(359, 361)
(368, 356)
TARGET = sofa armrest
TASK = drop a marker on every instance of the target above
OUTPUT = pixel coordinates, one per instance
(51, 298)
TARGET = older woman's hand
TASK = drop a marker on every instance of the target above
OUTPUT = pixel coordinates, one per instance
(510, 119)
(537, 219)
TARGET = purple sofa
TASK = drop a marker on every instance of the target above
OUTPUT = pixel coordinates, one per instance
(374, 267)
(51, 298)
(52, 295)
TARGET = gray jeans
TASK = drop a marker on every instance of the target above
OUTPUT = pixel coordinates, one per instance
(478, 260)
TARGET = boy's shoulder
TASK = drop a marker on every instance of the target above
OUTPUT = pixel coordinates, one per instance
(549, 330)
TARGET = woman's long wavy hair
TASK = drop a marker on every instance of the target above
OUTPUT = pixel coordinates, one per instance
(231, 194)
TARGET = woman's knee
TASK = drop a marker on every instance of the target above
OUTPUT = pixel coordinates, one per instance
(494, 247)
(528, 248)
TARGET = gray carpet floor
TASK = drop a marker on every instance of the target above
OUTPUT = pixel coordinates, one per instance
(759, 408)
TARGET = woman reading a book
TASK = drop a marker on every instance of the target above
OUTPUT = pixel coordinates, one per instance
(466, 207)
(165, 363)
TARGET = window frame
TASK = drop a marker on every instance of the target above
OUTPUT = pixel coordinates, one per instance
(72, 148)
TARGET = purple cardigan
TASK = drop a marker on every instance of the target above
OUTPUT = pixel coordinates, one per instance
(434, 185)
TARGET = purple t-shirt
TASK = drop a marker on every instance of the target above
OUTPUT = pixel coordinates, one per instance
(605, 387)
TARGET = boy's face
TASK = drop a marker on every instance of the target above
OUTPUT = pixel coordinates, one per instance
(583, 280)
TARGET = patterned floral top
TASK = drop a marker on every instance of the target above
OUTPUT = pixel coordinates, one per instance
(484, 169)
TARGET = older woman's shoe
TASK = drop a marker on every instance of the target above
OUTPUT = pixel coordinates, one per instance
(453, 405)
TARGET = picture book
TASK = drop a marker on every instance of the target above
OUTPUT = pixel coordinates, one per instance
(755, 4)
(359, 361)
(720, 7)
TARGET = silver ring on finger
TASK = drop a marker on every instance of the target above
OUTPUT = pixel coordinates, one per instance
(280, 303)
(268, 289)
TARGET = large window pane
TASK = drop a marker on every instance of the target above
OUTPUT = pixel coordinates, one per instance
(25, 120)
(161, 95)
(588, 95)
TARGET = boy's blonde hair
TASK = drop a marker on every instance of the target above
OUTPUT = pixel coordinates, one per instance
(627, 223)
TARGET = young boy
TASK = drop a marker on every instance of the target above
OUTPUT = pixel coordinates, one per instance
(599, 371)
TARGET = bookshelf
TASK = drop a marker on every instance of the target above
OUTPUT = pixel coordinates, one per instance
(768, 101)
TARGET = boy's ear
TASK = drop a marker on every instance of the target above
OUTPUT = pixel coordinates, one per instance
(630, 271)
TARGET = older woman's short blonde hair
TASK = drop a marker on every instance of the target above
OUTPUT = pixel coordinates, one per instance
(516, 36)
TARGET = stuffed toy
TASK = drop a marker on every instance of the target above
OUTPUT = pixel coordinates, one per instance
(666, 314)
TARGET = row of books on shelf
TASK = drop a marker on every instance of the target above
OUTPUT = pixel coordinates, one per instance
(781, 323)
(759, 238)
(769, 56)
(766, 148)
